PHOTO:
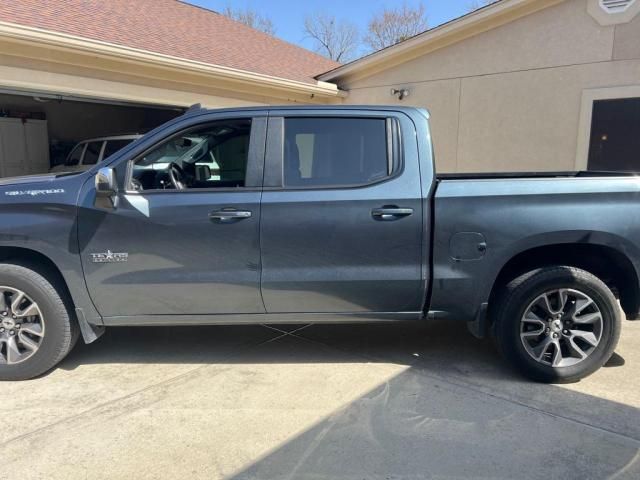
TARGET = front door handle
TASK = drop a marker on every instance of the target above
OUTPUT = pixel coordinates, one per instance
(229, 214)
(390, 213)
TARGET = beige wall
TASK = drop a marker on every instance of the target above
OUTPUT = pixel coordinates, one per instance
(627, 40)
(510, 98)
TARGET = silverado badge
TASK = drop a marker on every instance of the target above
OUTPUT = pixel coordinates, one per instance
(109, 257)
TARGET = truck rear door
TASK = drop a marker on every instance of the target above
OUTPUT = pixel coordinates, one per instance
(342, 213)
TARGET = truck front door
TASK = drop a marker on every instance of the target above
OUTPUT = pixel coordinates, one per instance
(342, 214)
(183, 237)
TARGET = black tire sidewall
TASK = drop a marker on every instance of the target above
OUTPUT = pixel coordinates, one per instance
(56, 322)
(524, 290)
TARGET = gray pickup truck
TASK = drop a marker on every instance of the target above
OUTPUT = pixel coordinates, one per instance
(316, 214)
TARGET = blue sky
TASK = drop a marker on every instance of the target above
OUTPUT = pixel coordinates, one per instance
(288, 15)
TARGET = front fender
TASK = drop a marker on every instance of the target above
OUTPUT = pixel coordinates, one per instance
(41, 219)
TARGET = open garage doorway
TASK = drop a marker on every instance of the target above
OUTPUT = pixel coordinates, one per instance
(615, 135)
(38, 131)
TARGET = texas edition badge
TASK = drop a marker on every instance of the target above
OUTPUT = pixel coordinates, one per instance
(109, 257)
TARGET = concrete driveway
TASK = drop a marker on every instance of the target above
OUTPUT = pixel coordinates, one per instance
(354, 402)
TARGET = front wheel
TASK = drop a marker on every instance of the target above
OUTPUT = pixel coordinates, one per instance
(36, 331)
(557, 324)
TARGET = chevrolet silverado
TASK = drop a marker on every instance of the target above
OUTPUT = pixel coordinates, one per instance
(316, 214)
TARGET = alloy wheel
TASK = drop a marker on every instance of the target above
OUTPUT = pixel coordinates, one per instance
(561, 327)
(21, 326)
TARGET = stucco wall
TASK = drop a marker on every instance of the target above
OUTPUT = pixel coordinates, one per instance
(509, 99)
(627, 40)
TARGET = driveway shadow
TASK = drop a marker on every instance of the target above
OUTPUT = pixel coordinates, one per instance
(457, 411)
(417, 427)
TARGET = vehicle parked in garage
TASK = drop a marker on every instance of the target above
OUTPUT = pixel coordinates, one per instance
(316, 214)
(88, 153)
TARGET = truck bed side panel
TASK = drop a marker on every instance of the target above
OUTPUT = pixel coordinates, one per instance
(515, 215)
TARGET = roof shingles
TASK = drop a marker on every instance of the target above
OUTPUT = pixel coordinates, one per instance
(174, 28)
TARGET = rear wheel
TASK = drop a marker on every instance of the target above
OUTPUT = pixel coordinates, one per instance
(557, 324)
(36, 331)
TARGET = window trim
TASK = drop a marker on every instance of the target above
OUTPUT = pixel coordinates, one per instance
(589, 96)
(390, 144)
(101, 155)
(274, 158)
(255, 158)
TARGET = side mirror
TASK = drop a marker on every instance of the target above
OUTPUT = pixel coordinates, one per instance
(106, 188)
(106, 185)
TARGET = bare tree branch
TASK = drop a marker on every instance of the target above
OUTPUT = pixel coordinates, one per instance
(394, 25)
(251, 18)
(333, 39)
(474, 5)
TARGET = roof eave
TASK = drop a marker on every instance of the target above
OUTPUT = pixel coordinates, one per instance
(58, 40)
(439, 37)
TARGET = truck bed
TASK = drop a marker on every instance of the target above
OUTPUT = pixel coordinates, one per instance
(507, 175)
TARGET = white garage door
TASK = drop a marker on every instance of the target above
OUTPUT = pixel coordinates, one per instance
(24, 146)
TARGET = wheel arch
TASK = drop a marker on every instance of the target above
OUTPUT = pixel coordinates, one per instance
(608, 263)
(38, 262)
(41, 263)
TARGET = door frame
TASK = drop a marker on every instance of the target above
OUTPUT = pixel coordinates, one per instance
(121, 160)
(589, 97)
(274, 156)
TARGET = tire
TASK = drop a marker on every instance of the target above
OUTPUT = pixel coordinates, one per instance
(576, 308)
(57, 328)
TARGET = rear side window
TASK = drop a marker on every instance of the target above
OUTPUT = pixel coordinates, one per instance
(113, 146)
(75, 155)
(330, 152)
(92, 153)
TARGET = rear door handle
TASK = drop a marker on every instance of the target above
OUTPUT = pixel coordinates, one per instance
(229, 214)
(390, 213)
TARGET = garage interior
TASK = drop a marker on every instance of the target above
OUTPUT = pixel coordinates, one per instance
(38, 130)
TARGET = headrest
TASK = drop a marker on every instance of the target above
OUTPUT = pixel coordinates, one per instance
(203, 173)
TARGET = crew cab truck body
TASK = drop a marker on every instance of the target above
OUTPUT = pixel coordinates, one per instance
(315, 214)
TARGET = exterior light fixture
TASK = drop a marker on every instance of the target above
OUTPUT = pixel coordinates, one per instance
(400, 92)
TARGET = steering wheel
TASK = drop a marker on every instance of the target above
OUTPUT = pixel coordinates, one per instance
(177, 176)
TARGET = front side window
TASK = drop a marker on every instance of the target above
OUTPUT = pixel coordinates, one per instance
(76, 154)
(329, 152)
(92, 153)
(214, 156)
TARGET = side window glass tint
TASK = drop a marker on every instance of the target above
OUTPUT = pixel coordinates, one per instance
(335, 151)
(113, 146)
(213, 156)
